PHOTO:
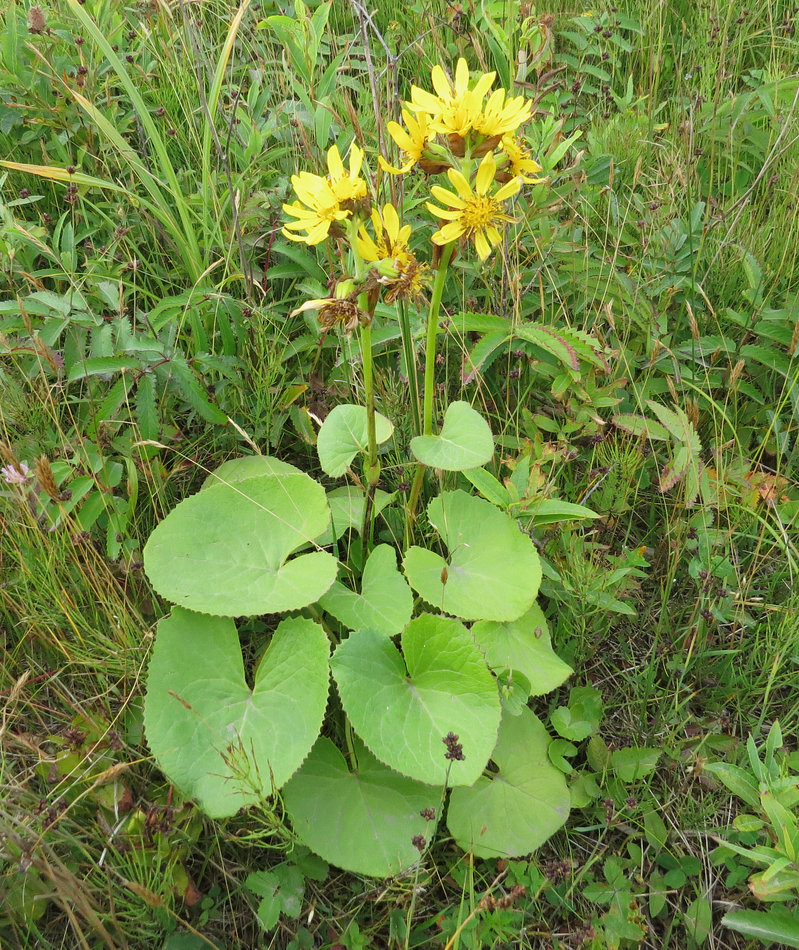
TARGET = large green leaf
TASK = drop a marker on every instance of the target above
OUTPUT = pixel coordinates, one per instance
(524, 803)
(385, 602)
(777, 926)
(214, 737)
(523, 645)
(493, 571)
(404, 715)
(226, 549)
(465, 441)
(344, 434)
(363, 821)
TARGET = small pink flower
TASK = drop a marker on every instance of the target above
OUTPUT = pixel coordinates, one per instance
(15, 474)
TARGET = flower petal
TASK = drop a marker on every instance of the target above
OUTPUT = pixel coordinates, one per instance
(459, 181)
(485, 174)
(447, 197)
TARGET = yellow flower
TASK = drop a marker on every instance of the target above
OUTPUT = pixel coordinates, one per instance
(346, 185)
(400, 272)
(520, 165)
(411, 141)
(321, 209)
(473, 214)
(455, 108)
(323, 197)
(502, 115)
(392, 240)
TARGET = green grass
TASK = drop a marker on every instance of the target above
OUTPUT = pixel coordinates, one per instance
(195, 123)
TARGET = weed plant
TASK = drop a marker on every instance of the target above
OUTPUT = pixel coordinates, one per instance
(632, 344)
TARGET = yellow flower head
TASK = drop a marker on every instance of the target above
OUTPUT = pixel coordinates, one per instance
(315, 211)
(520, 164)
(346, 185)
(321, 199)
(473, 214)
(455, 108)
(391, 240)
(411, 141)
(502, 115)
(402, 274)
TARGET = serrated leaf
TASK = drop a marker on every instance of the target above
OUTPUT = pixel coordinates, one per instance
(640, 427)
(465, 441)
(678, 424)
(523, 645)
(193, 392)
(676, 468)
(522, 805)
(385, 603)
(227, 549)
(101, 365)
(146, 412)
(363, 820)
(549, 340)
(344, 434)
(403, 705)
(493, 570)
(483, 354)
(213, 736)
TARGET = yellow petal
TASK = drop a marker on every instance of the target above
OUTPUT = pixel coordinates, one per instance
(392, 169)
(449, 214)
(425, 101)
(481, 245)
(391, 222)
(460, 183)
(356, 160)
(461, 77)
(447, 197)
(485, 174)
(508, 190)
(440, 82)
(451, 231)
(493, 235)
(483, 84)
(334, 164)
(312, 305)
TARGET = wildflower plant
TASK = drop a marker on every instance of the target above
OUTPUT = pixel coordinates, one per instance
(433, 663)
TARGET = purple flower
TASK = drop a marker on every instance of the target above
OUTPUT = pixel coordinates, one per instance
(15, 474)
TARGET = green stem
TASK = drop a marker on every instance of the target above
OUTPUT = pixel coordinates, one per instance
(409, 355)
(372, 470)
(429, 381)
(432, 331)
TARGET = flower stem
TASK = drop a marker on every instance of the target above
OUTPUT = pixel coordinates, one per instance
(432, 331)
(429, 380)
(372, 467)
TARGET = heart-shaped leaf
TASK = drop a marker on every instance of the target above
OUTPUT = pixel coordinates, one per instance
(385, 603)
(523, 646)
(364, 821)
(344, 434)
(465, 441)
(347, 508)
(515, 811)
(213, 736)
(493, 570)
(225, 550)
(404, 716)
